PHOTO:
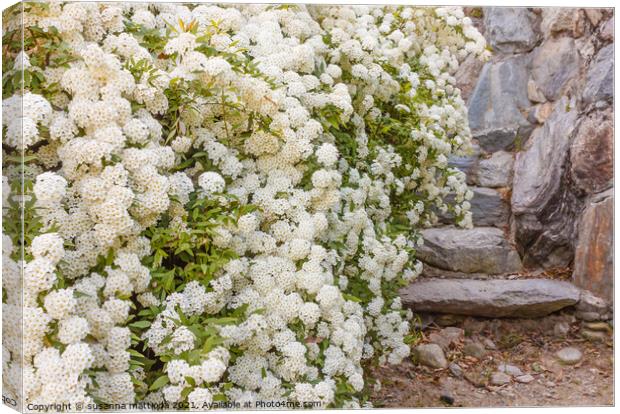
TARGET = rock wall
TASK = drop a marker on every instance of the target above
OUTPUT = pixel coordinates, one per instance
(541, 112)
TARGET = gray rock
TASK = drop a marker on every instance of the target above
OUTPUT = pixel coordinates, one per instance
(544, 207)
(588, 316)
(488, 208)
(452, 333)
(510, 370)
(538, 168)
(524, 379)
(600, 77)
(594, 255)
(481, 249)
(496, 171)
(497, 103)
(588, 302)
(474, 349)
(499, 378)
(488, 344)
(509, 29)
(594, 336)
(598, 326)
(456, 370)
(446, 336)
(540, 113)
(555, 63)
(534, 93)
(569, 356)
(561, 329)
(442, 341)
(562, 19)
(430, 355)
(490, 298)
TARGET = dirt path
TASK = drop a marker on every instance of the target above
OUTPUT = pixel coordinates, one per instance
(529, 345)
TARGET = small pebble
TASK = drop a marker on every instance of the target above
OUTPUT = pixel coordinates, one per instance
(447, 398)
(594, 336)
(430, 355)
(499, 378)
(569, 356)
(510, 370)
(524, 379)
(456, 370)
(475, 349)
(597, 326)
(489, 344)
(561, 329)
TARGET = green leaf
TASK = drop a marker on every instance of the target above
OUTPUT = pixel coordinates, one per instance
(159, 382)
(351, 298)
(140, 324)
(135, 353)
(211, 343)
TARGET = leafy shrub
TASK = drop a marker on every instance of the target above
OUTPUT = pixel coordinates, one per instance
(220, 203)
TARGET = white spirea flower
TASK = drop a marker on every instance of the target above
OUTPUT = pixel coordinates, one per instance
(327, 155)
(49, 246)
(211, 182)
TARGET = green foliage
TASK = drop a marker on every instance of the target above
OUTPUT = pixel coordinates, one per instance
(182, 256)
(178, 257)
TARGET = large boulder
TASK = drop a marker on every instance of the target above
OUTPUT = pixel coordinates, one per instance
(509, 29)
(555, 64)
(538, 169)
(495, 171)
(543, 204)
(488, 208)
(591, 154)
(477, 250)
(600, 78)
(594, 264)
(498, 104)
(526, 298)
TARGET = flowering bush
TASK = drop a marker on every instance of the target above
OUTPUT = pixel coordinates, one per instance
(221, 202)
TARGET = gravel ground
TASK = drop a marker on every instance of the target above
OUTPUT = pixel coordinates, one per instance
(527, 344)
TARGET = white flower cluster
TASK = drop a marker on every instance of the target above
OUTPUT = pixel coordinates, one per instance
(281, 108)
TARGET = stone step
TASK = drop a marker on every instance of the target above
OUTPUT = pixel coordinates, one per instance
(496, 298)
(478, 250)
(488, 208)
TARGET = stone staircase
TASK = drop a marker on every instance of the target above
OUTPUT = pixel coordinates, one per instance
(541, 173)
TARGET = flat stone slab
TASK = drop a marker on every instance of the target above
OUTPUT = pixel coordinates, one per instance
(477, 250)
(527, 298)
